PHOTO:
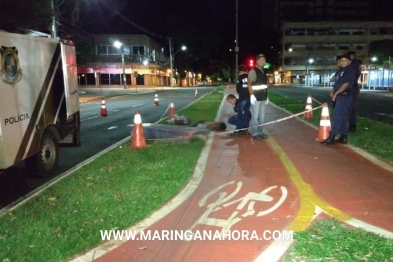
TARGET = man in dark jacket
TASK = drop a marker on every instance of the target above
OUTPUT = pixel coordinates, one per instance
(242, 104)
(341, 94)
(258, 90)
(355, 65)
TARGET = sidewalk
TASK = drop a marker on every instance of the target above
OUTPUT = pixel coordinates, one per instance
(327, 87)
(280, 183)
(91, 94)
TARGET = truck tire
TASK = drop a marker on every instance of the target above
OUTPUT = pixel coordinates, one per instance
(44, 163)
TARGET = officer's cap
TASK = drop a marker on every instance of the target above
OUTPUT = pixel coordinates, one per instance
(259, 56)
(347, 56)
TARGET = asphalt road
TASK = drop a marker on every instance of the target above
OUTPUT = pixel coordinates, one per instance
(98, 133)
(376, 105)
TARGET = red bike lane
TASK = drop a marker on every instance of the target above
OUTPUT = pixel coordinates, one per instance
(339, 176)
(262, 186)
(245, 189)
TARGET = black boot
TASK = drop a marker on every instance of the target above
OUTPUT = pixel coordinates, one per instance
(352, 127)
(329, 141)
(342, 139)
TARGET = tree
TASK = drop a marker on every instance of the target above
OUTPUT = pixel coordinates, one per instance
(383, 50)
(18, 16)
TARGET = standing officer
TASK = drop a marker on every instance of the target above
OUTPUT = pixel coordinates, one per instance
(257, 87)
(244, 105)
(341, 94)
(355, 65)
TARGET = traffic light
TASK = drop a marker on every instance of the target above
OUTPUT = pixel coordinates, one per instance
(251, 63)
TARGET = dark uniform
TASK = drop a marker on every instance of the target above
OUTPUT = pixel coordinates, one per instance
(355, 65)
(340, 115)
(233, 119)
(243, 103)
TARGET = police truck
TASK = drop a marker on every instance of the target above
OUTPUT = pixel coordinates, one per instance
(39, 101)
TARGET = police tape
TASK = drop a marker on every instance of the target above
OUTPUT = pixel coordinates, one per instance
(316, 100)
(164, 113)
(274, 121)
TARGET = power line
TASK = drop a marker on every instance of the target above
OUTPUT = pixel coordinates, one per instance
(135, 24)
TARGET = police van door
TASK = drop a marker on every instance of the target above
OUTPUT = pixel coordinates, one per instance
(70, 78)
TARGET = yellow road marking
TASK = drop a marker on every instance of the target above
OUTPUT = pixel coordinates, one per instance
(308, 199)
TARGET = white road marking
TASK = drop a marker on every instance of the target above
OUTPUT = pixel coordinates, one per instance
(138, 105)
(89, 118)
(275, 251)
(114, 111)
(112, 127)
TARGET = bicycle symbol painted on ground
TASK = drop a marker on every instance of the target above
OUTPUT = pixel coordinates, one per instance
(224, 200)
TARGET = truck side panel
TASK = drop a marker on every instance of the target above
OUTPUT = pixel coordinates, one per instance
(31, 103)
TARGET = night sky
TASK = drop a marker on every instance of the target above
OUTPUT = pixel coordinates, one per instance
(196, 24)
(202, 19)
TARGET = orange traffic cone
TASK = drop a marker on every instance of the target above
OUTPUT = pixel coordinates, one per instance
(308, 114)
(172, 111)
(156, 100)
(196, 93)
(103, 108)
(138, 137)
(324, 124)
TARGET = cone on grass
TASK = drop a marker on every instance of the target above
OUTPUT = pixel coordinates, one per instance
(196, 93)
(156, 100)
(308, 114)
(324, 124)
(103, 108)
(172, 111)
(138, 137)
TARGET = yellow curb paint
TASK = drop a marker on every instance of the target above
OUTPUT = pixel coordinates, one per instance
(308, 199)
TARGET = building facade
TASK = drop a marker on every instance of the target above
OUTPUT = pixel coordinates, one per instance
(314, 32)
(277, 12)
(311, 48)
(145, 62)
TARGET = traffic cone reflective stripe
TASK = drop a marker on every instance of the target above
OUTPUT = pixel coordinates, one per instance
(138, 137)
(324, 124)
(172, 111)
(156, 100)
(103, 108)
(308, 114)
(196, 93)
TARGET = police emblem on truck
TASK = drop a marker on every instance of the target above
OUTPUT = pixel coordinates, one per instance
(10, 67)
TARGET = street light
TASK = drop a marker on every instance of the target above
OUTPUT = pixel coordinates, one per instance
(171, 58)
(118, 45)
(374, 59)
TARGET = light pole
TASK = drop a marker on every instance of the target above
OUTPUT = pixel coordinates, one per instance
(237, 43)
(310, 61)
(171, 58)
(119, 45)
(54, 22)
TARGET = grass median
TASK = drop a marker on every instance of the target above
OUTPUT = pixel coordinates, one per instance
(372, 136)
(328, 240)
(115, 191)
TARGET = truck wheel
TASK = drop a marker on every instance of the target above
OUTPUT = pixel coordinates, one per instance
(44, 163)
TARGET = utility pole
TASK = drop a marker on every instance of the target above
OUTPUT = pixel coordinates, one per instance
(171, 62)
(237, 43)
(54, 21)
(124, 69)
